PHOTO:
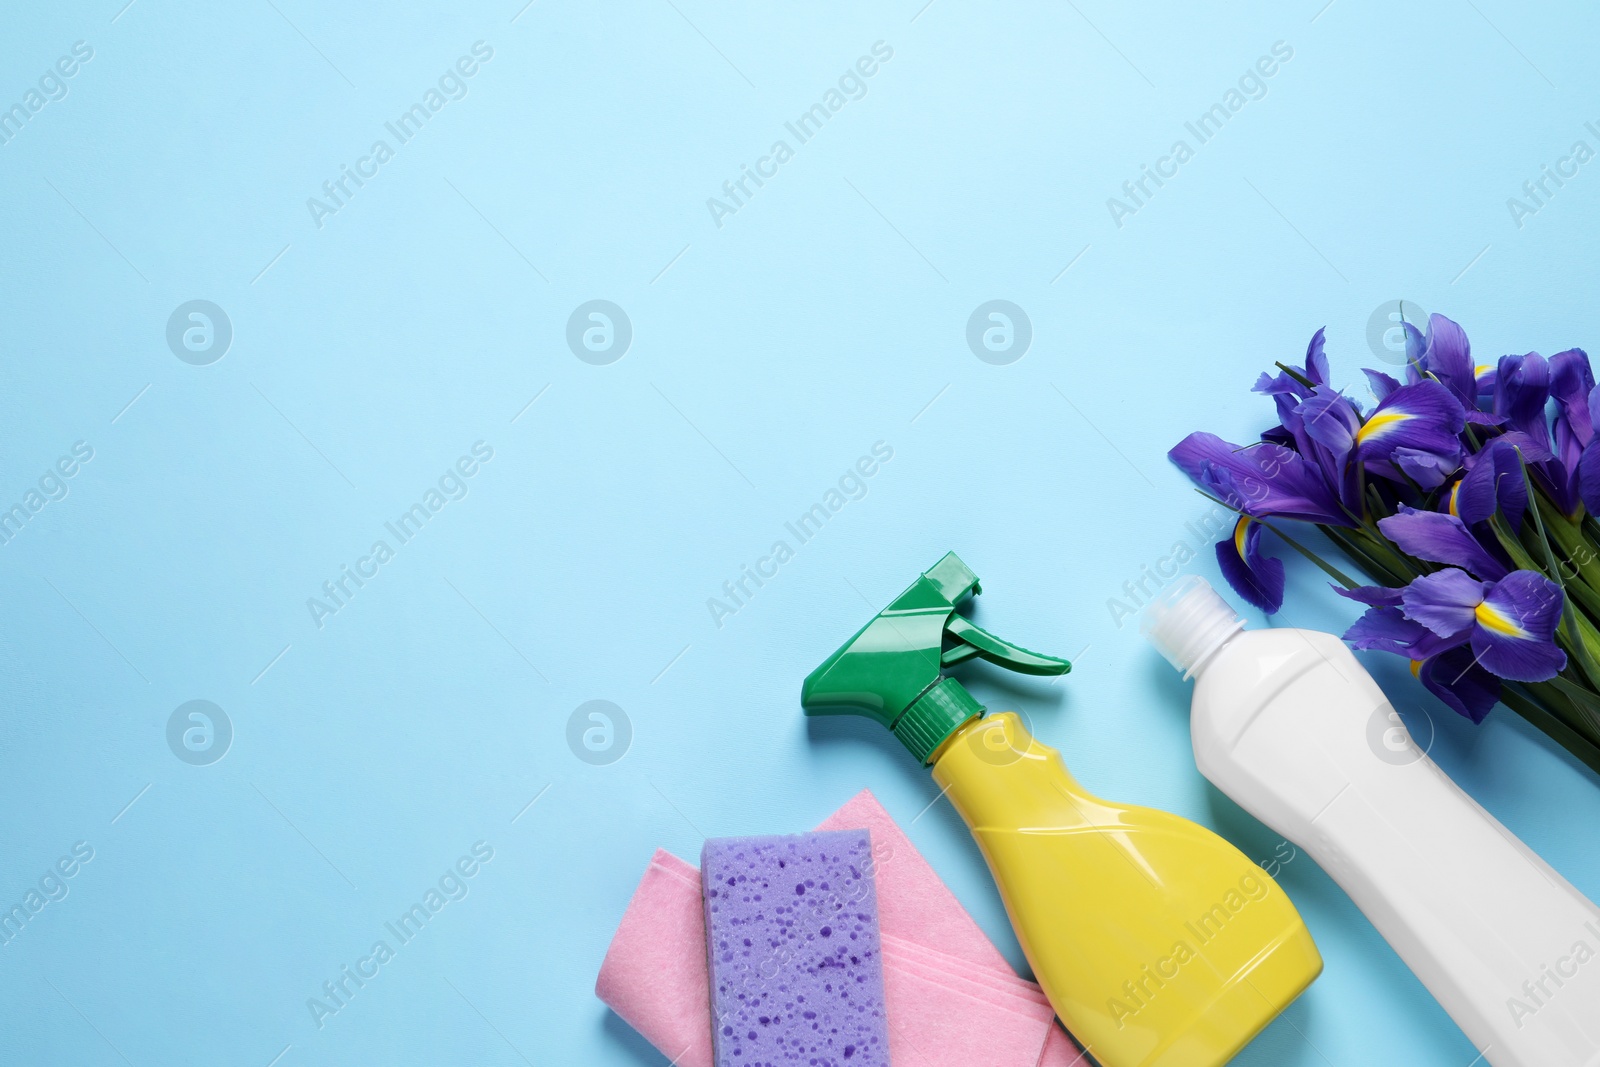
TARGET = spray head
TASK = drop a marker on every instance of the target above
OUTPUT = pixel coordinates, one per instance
(892, 669)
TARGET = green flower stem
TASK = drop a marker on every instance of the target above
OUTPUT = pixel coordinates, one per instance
(1582, 641)
(1591, 528)
(1587, 647)
(1586, 703)
(1382, 549)
(1509, 542)
(1557, 704)
(1376, 508)
(1398, 563)
(1568, 533)
(1379, 573)
(1295, 374)
(1327, 568)
(1587, 599)
(1583, 749)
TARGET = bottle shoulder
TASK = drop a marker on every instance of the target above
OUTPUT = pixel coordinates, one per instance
(1252, 655)
(1256, 665)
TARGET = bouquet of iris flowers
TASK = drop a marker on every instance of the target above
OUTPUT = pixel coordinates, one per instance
(1466, 494)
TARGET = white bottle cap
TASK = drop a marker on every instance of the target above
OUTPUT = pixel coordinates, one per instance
(1187, 622)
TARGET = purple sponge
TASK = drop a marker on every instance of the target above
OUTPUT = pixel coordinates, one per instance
(792, 942)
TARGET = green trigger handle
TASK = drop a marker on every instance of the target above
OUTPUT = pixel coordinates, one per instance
(891, 670)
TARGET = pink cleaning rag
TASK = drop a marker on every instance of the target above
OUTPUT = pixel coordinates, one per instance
(953, 1001)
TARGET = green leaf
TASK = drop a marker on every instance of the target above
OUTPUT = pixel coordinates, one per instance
(1508, 541)
(1586, 702)
(1533, 710)
(1296, 375)
(1560, 705)
(1382, 549)
(1592, 528)
(1378, 572)
(1578, 640)
(1587, 598)
(1579, 552)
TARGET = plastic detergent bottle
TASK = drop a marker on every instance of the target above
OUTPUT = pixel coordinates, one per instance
(1289, 724)
(1158, 943)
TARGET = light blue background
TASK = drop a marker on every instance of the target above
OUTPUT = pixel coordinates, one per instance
(768, 354)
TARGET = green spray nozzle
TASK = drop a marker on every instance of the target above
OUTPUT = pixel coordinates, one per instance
(892, 669)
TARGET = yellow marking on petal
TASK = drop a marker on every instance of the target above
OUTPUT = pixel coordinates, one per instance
(1381, 422)
(1492, 620)
(1416, 668)
(1455, 491)
(1481, 369)
(1239, 529)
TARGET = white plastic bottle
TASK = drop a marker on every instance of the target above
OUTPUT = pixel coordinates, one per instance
(1289, 724)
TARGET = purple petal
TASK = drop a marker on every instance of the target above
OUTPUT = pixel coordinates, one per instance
(1514, 635)
(1521, 389)
(1257, 578)
(1533, 449)
(1571, 382)
(1387, 630)
(1494, 479)
(1444, 601)
(1382, 384)
(1589, 476)
(1533, 601)
(1471, 499)
(1278, 435)
(1376, 596)
(1428, 470)
(1331, 421)
(1316, 358)
(1416, 348)
(1424, 416)
(1267, 479)
(1561, 482)
(1384, 469)
(1440, 538)
(1449, 358)
(1524, 605)
(1518, 661)
(1455, 678)
(1279, 385)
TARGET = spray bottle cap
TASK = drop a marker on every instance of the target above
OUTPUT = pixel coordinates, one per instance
(1187, 622)
(890, 670)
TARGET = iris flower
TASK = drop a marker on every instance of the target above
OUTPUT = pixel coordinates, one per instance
(1414, 432)
(1254, 575)
(1525, 386)
(1289, 390)
(1442, 538)
(1264, 480)
(1445, 355)
(1493, 479)
(1506, 618)
(1463, 635)
(1589, 458)
(1460, 487)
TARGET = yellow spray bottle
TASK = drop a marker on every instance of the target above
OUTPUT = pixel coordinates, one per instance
(1158, 943)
